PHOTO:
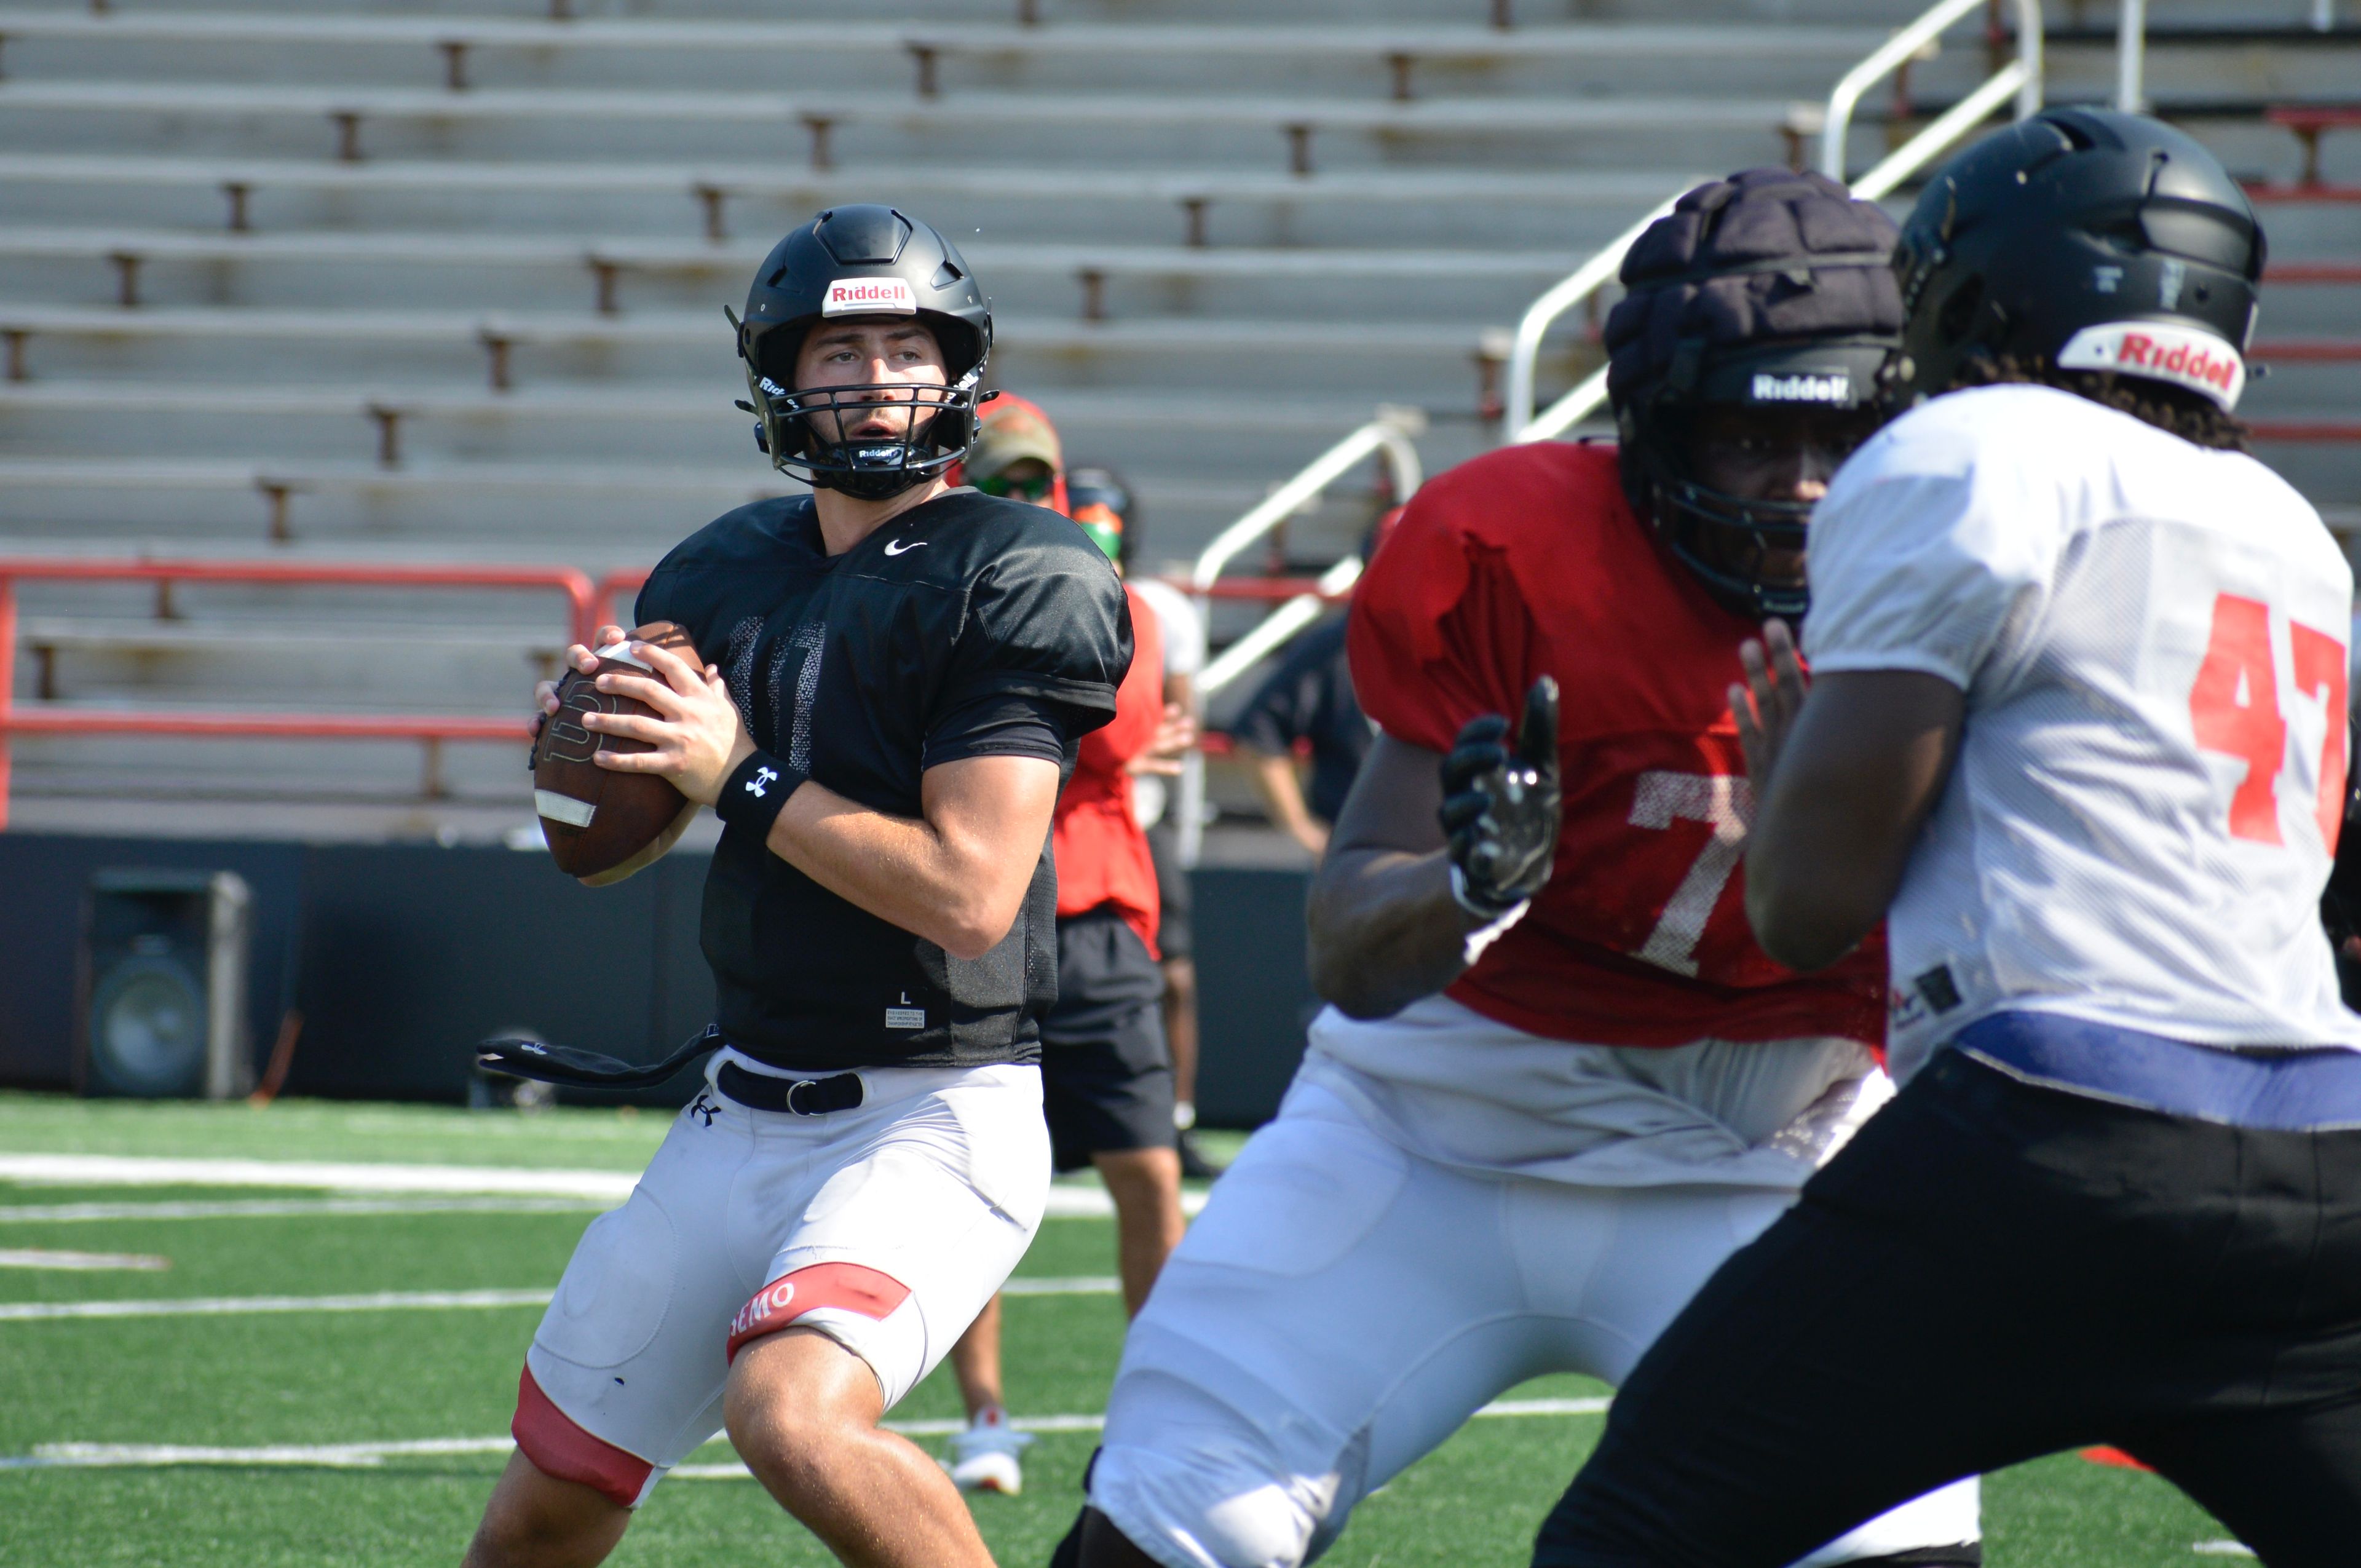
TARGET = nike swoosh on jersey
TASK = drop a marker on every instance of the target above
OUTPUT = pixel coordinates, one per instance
(895, 547)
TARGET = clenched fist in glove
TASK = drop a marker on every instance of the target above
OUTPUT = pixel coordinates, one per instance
(1501, 807)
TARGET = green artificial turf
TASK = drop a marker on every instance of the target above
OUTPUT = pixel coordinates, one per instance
(304, 1378)
(561, 1137)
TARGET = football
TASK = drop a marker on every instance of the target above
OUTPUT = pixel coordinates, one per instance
(594, 820)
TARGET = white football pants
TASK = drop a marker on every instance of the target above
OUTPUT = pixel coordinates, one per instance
(1343, 1305)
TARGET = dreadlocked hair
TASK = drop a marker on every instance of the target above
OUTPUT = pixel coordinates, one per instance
(2189, 415)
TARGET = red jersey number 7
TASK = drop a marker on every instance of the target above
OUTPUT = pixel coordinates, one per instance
(2234, 710)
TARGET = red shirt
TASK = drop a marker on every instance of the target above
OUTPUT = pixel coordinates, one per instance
(1102, 855)
(1527, 561)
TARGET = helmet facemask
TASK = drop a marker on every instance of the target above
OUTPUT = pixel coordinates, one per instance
(1725, 540)
(1761, 312)
(1791, 404)
(814, 434)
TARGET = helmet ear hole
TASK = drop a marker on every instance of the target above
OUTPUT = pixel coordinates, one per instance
(1959, 312)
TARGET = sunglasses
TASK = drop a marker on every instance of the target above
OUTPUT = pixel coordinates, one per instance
(1035, 489)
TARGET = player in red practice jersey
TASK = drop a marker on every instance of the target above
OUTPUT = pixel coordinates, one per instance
(1106, 1074)
(1559, 1082)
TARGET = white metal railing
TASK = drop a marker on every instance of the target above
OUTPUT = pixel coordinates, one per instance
(1904, 45)
(2131, 55)
(2020, 79)
(1276, 626)
(1387, 436)
(1525, 347)
(1390, 432)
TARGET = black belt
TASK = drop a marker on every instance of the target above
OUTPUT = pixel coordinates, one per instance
(802, 1096)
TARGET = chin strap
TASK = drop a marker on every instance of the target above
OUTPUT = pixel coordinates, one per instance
(545, 1063)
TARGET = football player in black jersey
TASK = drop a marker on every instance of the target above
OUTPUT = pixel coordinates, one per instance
(895, 676)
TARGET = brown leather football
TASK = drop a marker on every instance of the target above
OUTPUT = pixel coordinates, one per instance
(593, 818)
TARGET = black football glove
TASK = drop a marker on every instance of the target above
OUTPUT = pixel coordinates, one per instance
(1501, 807)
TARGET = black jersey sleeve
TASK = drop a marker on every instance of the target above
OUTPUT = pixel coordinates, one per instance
(656, 595)
(1045, 623)
(1000, 724)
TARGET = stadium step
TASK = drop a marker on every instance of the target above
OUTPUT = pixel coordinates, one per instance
(717, 199)
(1090, 282)
(369, 241)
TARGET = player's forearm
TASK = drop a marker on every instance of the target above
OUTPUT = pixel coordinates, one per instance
(958, 891)
(1869, 756)
(1385, 930)
(1282, 794)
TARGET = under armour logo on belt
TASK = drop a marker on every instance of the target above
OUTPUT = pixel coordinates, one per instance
(759, 786)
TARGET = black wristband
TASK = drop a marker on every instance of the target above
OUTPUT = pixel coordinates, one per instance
(755, 792)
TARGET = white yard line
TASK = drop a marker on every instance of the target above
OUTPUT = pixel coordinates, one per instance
(1596, 1405)
(142, 1171)
(404, 1301)
(290, 1207)
(1044, 1285)
(1067, 1200)
(365, 1455)
(214, 1306)
(2222, 1549)
(333, 1455)
(53, 1257)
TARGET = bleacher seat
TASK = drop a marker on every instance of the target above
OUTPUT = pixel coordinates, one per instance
(443, 279)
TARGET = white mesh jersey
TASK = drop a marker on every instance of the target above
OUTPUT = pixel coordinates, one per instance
(2151, 638)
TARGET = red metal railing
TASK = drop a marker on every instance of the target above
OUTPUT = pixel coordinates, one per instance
(2309, 432)
(430, 729)
(588, 604)
(2311, 272)
(2307, 351)
(1274, 589)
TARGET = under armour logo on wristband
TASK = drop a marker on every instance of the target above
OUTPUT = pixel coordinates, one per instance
(759, 786)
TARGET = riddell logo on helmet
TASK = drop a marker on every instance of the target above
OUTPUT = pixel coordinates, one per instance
(868, 297)
(1801, 388)
(2161, 351)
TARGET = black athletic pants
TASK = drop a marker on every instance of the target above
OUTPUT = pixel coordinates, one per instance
(1992, 1272)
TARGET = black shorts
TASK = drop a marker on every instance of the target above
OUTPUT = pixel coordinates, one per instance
(1107, 1073)
(1989, 1272)
(1174, 940)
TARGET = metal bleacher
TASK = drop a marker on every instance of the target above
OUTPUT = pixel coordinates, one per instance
(441, 280)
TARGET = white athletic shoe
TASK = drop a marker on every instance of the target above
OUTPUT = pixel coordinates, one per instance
(983, 1457)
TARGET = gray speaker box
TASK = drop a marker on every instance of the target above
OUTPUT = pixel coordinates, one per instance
(161, 1009)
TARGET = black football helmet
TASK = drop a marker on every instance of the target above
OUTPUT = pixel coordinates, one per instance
(1771, 291)
(2090, 240)
(864, 261)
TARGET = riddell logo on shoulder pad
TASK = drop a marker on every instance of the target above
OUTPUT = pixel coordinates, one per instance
(2160, 351)
(1802, 388)
(868, 297)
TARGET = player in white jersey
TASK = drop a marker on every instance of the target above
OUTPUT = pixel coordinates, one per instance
(2076, 714)
(1558, 1083)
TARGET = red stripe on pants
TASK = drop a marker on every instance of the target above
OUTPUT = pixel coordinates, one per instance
(850, 1286)
(548, 1436)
